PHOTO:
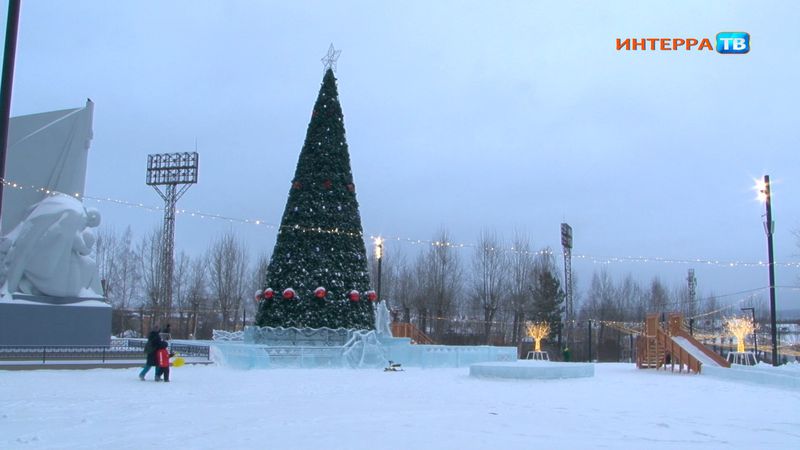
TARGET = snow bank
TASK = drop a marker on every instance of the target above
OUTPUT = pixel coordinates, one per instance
(762, 374)
(526, 370)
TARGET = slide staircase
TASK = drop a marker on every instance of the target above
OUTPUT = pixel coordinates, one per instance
(409, 330)
(658, 348)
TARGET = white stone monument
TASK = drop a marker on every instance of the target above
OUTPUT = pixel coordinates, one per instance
(49, 283)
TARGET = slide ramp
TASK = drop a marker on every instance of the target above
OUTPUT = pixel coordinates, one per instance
(695, 351)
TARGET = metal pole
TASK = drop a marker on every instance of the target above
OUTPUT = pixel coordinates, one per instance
(12, 26)
(632, 347)
(772, 316)
(168, 251)
(590, 340)
(380, 259)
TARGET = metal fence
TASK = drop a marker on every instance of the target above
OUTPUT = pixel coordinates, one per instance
(183, 349)
(45, 353)
(120, 349)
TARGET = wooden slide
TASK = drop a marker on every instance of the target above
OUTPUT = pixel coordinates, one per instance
(674, 347)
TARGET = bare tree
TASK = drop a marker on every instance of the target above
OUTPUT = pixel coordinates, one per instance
(601, 300)
(520, 283)
(420, 296)
(105, 252)
(118, 264)
(658, 297)
(489, 278)
(631, 300)
(259, 278)
(441, 277)
(407, 289)
(151, 265)
(227, 276)
(197, 293)
(180, 293)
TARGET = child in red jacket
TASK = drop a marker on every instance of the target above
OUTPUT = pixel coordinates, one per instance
(162, 361)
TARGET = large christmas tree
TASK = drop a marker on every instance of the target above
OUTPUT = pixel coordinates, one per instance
(320, 241)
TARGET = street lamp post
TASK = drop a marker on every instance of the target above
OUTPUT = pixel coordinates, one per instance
(9, 56)
(379, 257)
(755, 334)
(765, 195)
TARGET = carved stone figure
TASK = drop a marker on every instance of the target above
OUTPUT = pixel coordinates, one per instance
(49, 252)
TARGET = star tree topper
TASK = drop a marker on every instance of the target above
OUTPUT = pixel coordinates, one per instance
(329, 60)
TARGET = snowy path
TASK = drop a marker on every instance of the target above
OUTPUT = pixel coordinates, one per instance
(211, 408)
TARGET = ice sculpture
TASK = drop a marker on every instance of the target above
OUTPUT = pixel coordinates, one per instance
(383, 321)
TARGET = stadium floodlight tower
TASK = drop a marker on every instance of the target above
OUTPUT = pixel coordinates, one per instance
(569, 312)
(170, 170)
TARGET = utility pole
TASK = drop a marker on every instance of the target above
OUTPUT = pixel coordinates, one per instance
(765, 193)
(379, 256)
(9, 57)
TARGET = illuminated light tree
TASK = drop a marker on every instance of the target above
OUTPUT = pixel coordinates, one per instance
(538, 331)
(320, 241)
(739, 327)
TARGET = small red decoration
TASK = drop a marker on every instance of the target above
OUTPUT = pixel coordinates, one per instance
(354, 295)
(259, 296)
(297, 185)
(351, 187)
(327, 184)
(268, 294)
(320, 292)
(288, 293)
(372, 296)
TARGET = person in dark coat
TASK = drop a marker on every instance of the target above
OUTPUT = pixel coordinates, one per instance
(153, 343)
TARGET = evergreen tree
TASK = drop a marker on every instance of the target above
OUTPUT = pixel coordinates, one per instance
(548, 300)
(320, 241)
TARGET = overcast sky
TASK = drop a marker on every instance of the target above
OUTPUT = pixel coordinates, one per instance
(504, 115)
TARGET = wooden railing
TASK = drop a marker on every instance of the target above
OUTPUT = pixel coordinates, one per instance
(409, 330)
(675, 355)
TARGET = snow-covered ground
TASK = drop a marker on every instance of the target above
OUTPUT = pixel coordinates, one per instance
(210, 407)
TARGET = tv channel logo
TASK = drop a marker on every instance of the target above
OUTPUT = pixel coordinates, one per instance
(733, 42)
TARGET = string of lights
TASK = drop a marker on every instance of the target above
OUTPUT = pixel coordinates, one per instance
(408, 240)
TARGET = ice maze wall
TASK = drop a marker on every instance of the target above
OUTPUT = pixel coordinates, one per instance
(262, 348)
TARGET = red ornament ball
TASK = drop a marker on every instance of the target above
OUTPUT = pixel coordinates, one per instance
(320, 292)
(354, 295)
(288, 293)
(268, 294)
(372, 296)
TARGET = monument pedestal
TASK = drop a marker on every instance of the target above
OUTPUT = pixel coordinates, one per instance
(42, 320)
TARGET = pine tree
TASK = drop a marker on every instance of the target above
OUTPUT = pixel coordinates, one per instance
(320, 241)
(548, 300)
